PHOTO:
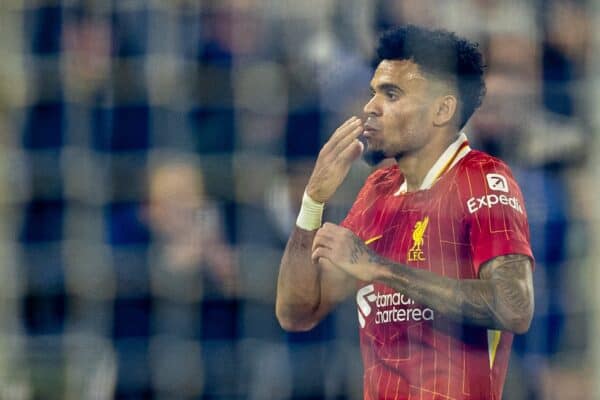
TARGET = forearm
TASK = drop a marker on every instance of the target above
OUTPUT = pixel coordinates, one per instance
(498, 302)
(298, 285)
(467, 301)
(305, 292)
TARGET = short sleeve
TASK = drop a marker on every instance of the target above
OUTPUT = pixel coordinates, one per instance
(495, 212)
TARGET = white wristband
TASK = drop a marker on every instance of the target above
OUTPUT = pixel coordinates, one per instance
(311, 214)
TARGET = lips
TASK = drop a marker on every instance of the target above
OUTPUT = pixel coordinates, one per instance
(370, 127)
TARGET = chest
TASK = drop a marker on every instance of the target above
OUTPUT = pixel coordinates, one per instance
(426, 229)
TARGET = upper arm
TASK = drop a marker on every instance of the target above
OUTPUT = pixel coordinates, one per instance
(512, 283)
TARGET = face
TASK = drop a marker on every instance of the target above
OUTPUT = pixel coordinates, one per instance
(176, 195)
(400, 111)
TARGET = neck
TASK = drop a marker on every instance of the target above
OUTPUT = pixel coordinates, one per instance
(416, 165)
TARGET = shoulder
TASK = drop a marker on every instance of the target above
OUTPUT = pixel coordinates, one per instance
(481, 170)
(378, 184)
(381, 182)
(478, 160)
(485, 181)
(383, 179)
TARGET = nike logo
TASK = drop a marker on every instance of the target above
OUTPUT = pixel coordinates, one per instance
(373, 239)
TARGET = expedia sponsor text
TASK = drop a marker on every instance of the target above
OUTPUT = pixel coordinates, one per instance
(476, 203)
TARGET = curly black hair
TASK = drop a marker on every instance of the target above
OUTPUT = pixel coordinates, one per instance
(443, 55)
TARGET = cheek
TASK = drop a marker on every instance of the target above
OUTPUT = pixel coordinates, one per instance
(412, 118)
(394, 117)
(402, 110)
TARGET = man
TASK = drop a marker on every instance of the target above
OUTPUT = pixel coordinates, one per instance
(437, 245)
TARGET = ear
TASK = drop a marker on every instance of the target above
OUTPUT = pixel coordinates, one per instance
(445, 110)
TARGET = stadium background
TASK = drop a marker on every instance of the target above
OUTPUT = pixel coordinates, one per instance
(152, 154)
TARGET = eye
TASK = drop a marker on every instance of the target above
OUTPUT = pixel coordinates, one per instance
(392, 95)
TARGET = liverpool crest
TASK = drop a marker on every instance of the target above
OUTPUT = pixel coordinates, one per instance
(415, 253)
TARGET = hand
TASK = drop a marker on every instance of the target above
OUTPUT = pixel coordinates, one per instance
(337, 247)
(335, 159)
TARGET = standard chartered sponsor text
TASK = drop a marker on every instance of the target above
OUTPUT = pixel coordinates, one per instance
(385, 314)
(403, 315)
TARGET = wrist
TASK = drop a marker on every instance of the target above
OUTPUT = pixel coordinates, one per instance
(381, 269)
(315, 195)
(310, 216)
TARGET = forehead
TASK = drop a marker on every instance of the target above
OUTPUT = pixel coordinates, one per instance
(397, 71)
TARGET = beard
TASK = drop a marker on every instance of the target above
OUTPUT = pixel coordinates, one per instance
(371, 156)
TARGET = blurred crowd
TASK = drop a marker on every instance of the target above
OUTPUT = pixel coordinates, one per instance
(152, 160)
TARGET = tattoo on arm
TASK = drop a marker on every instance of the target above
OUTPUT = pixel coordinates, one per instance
(376, 258)
(501, 299)
(358, 249)
(512, 287)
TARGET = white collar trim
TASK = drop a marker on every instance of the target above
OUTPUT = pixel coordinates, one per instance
(441, 165)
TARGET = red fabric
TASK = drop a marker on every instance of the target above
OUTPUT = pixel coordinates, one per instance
(410, 351)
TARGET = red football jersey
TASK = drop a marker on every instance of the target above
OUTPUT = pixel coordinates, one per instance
(468, 210)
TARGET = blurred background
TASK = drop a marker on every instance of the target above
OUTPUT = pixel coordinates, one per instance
(152, 159)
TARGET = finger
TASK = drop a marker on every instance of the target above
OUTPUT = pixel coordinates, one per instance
(329, 227)
(342, 131)
(322, 240)
(347, 140)
(319, 253)
(334, 136)
(333, 230)
(353, 151)
(348, 121)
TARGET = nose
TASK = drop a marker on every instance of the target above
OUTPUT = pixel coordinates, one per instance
(372, 107)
